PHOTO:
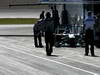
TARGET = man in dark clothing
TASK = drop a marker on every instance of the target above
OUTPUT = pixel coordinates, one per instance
(49, 37)
(37, 38)
(42, 15)
(38, 33)
(64, 16)
(55, 17)
(89, 34)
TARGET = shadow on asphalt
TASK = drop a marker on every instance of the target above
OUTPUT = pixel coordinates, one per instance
(94, 56)
(54, 55)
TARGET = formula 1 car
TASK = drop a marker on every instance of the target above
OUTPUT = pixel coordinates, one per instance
(64, 38)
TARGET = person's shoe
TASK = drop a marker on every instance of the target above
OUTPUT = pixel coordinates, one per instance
(48, 54)
(41, 46)
(93, 55)
(36, 46)
(86, 54)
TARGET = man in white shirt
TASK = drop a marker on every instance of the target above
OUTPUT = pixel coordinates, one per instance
(89, 34)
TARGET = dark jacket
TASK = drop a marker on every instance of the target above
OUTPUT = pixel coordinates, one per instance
(38, 27)
(49, 25)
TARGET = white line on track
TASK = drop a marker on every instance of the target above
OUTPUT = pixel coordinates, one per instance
(51, 60)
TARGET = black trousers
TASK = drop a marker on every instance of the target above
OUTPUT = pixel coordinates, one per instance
(37, 40)
(89, 40)
(49, 40)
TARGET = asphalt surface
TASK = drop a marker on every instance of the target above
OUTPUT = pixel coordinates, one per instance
(18, 56)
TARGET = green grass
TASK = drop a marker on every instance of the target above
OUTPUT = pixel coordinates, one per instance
(18, 20)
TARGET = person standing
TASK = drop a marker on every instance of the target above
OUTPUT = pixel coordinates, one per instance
(89, 34)
(55, 16)
(64, 16)
(42, 15)
(37, 29)
(49, 37)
